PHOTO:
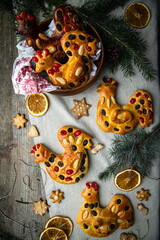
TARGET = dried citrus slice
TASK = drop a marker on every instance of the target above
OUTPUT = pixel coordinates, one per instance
(63, 223)
(137, 15)
(53, 233)
(36, 104)
(127, 180)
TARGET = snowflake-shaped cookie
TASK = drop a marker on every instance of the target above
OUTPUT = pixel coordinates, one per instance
(57, 196)
(143, 195)
(80, 108)
(19, 120)
(40, 207)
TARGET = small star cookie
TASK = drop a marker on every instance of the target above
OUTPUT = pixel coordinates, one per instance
(143, 195)
(80, 108)
(40, 207)
(19, 120)
(57, 196)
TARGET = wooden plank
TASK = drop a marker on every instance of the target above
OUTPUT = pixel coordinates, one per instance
(15, 146)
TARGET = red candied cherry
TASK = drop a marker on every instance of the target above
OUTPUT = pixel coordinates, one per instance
(77, 133)
(57, 65)
(69, 171)
(138, 94)
(63, 132)
(139, 112)
(89, 49)
(68, 179)
(66, 19)
(88, 185)
(73, 24)
(35, 59)
(18, 17)
(75, 46)
(24, 14)
(51, 71)
(133, 100)
(146, 95)
(115, 84)
(149, 103)
(110, 80)
(142, 120)
(31, 17)
(151, 114)
(67, 28)
(56, 168)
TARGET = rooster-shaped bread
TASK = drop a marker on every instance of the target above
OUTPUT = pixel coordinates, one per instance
(72, 165)
(111, 117)
(101, 222)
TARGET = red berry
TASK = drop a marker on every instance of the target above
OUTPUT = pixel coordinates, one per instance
(149, 103)
(88, 185)
(46, 52)
(77, 133)
(138, 94)
(66, 19)
(75, 46)
(56, 69)
(32, 151)
(24, 14)
(31, 17)
(18, 17)
(63, 132)
(146, 95)
(35, 148)
(56, 168)
(68, 179)
(38, 146)
(139, 112)
(151, 114)
(51, 71)
(35, 59)
(142, 120)
(133, 100)
(69, 171)
(89, 49)
(67, 28)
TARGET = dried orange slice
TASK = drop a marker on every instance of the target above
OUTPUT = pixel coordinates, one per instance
(63, 223)
(137, 15)
(53, 233)
(127, 180)
(36, 104)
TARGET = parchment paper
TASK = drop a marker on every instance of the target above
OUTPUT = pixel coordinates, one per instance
(59, 115)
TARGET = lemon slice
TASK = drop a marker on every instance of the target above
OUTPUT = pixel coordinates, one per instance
(137, 15)
(63, 223)
(127, 180)
(53, 233)
(36, 104)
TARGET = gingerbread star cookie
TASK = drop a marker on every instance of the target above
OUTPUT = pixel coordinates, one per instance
(40, 207)
(80, 108)
(57, 196)
(19, 120)
(143, 195)
(33, 132)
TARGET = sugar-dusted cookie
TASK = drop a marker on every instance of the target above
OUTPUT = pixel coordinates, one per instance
(142, 208)
(19, 121)
(57, 196)
(143, 195)
(72, 165)
(111, 117)
(80, 108)
(40, 207)
(33, 132)
(101, 222)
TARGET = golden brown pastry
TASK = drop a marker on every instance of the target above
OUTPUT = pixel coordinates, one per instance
(72, 165)
(111, 117)
(101, 222)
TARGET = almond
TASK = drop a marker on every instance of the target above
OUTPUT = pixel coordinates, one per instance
(78, 71)
(61, 80)
(81, 50)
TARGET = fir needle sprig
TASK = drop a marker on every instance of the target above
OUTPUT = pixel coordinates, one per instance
(137, 150)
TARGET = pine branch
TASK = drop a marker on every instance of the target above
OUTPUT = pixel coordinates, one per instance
(137, 150)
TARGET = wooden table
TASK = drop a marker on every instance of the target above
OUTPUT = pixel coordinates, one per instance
(18, 181)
